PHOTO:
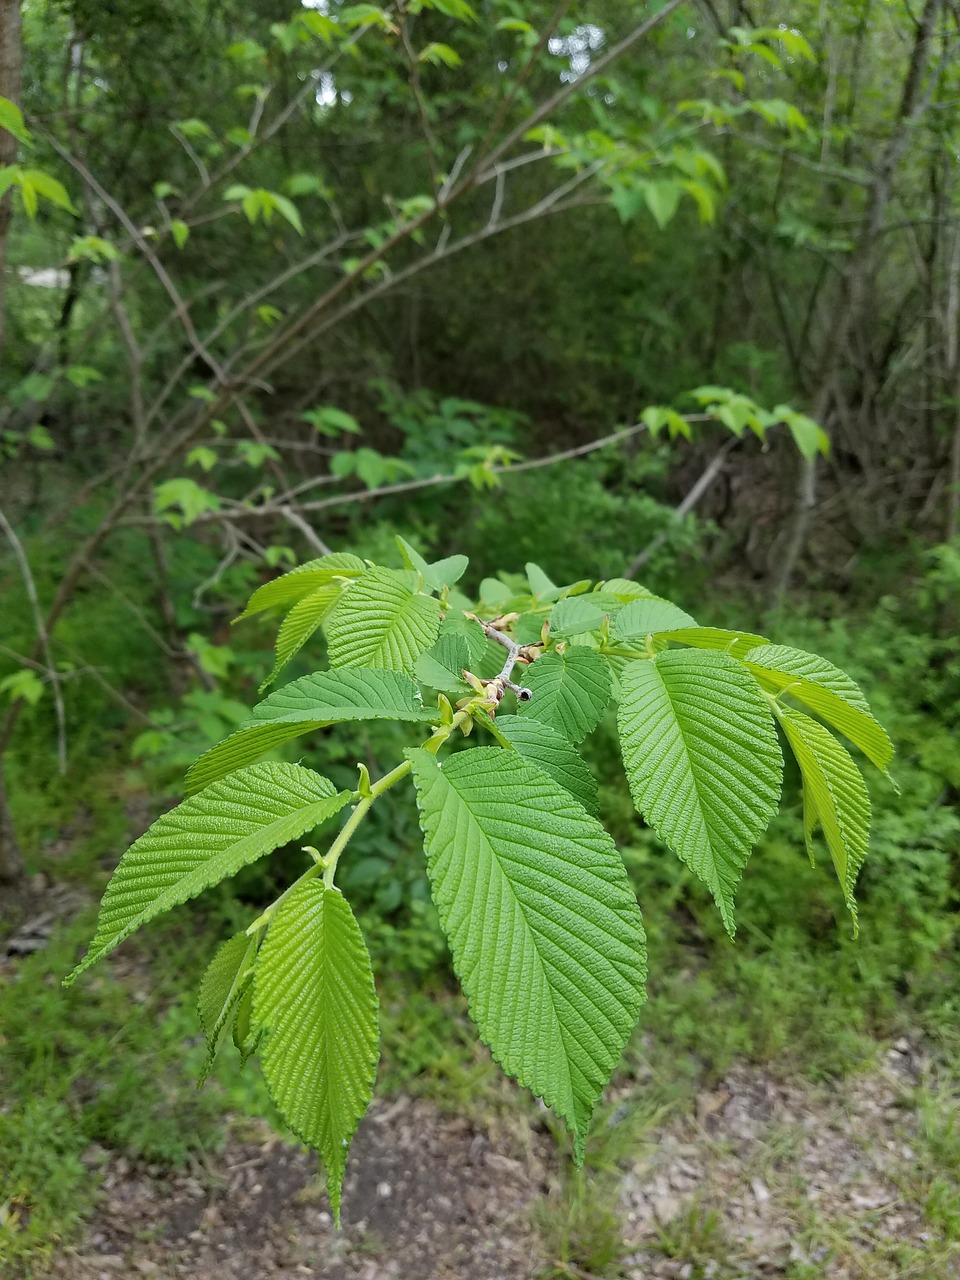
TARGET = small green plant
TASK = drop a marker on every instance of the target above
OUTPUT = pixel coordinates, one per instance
(532, 895)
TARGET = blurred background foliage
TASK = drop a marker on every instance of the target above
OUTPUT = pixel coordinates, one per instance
(245, 294)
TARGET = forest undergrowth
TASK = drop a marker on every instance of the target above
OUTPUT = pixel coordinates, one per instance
(796, 998)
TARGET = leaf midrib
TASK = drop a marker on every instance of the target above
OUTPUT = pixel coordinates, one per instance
(722, 854)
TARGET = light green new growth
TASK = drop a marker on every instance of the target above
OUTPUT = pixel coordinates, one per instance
(303, 580)
(826, 690)
(543, 926)
(315, 1000)
(834, 795)
(223, 984)
(300, 624)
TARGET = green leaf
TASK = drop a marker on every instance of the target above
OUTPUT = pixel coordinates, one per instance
(656, 417)
(627, 200)
(458, 9)
(570, 691)
(28, 193)
(224, 982)
(662, 199)
(737, 643)
(380, 623)
(81, 375)
(203, 457)
(180, 232)
(11, 119)
(809, 437)
(314, 996)
(39, 437)
(703, 196)
(541, 588)
(440, 574)
(254, 454)
(702, 759)
(206, 839)
(331, 422)
(312, 702)
(288, 210)
(626, 590)
(458, 624)
(359, 15)
(192, 499)
(93, 248)
(303, 580)
(50, 188)
(23, 684)
(514, 24)
(300, 624)
(193, 128)
(552, 752)
(543, 927)
(494, 592)
(826, 690)
(648, 616)
(834, 794)
(9, 177)
(440, 55)
(442, 665)
(246, 1036)
(577, 614)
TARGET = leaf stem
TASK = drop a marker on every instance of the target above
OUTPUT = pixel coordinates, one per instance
(614, 651)
(327, 865)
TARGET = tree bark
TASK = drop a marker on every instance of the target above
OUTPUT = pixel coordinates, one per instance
(11, 862)
(10, 75)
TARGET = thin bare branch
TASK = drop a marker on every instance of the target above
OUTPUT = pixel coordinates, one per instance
(716, 465)
(313, 538)
(550, 105)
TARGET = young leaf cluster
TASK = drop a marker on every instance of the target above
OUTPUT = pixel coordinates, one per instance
(544, 929)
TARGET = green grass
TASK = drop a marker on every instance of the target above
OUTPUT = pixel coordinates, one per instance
(109, 1065)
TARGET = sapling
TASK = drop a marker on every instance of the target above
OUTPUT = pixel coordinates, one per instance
(544, 929)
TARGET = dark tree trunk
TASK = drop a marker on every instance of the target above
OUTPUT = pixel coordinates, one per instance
(9, 88)
(11, 863)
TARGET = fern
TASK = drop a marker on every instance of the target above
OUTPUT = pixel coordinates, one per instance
(544, 929)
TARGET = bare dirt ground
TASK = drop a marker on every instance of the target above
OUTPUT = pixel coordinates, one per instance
(424, 1196)
(768, 1178)
(761, 1179)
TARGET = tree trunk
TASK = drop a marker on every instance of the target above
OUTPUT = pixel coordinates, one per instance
(10, 67)
(11, 862)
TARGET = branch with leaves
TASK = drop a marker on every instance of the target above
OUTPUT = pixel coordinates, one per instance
(544, 929)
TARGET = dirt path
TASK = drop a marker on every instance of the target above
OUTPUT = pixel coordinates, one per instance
(760, 1179)
(425, 1196)
(849, 1180)
(767, 1178)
